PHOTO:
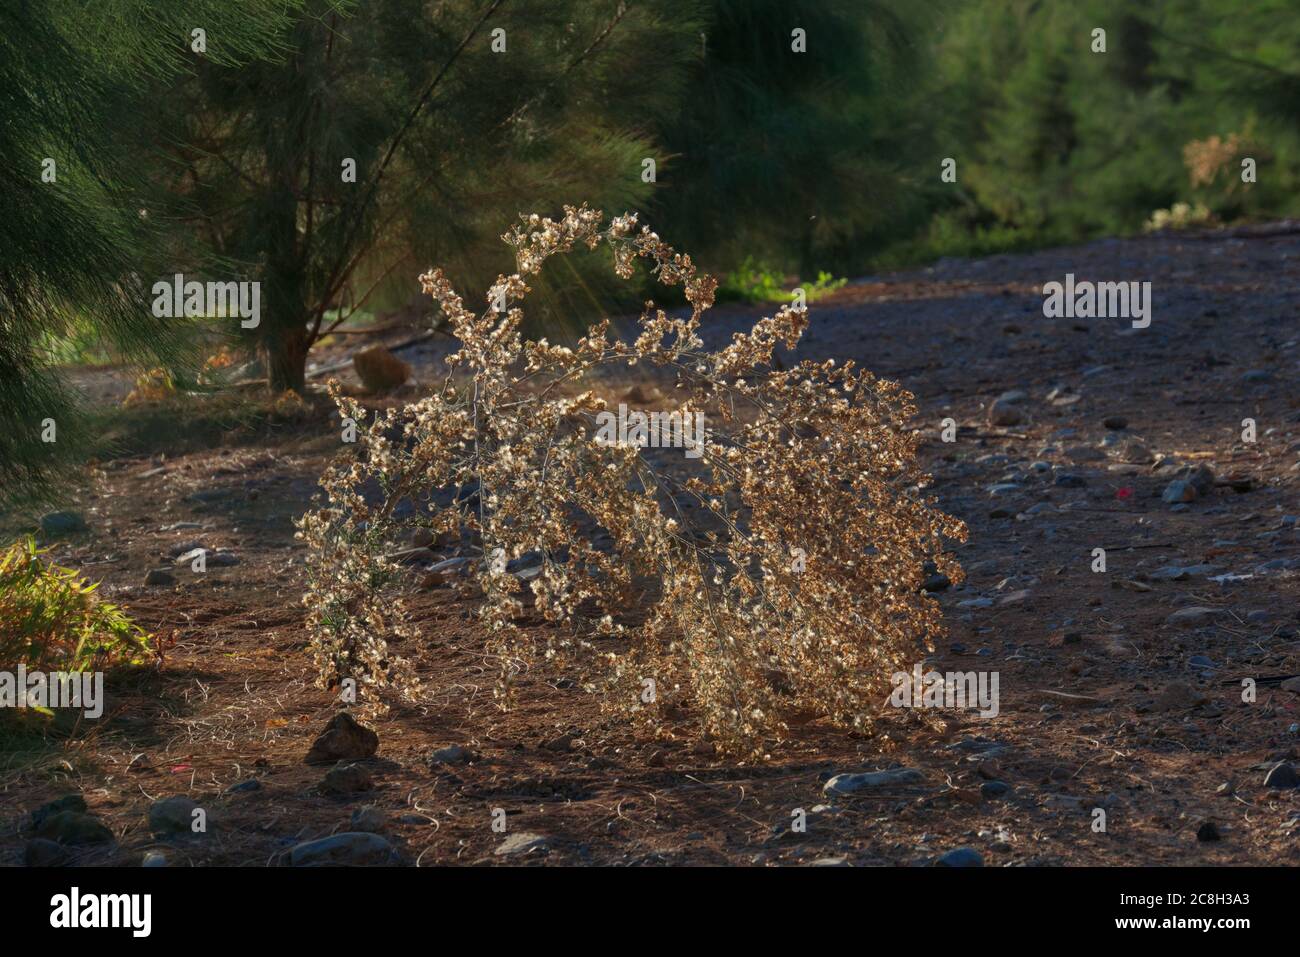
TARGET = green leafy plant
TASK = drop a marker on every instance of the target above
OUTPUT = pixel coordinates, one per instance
(758, 282)
(51, 618)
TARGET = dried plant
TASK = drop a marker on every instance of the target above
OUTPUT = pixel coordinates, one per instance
(773, 567)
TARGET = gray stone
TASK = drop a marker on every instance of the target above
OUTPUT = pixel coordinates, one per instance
(454, 754)
(69, 802)
(1003, 413)
(42, 852)
(154, 859)
(369, 818)
(54, 524)
(347, 779)
(172, 815)
(349, 849)
(73, 827)
(1282, 775)
(159, 576)
(994, 789)
(852, 783)
(1178, 492)
(961, 857)
(523, 843)
(1195, 615)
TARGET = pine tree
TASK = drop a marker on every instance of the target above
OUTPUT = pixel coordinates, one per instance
(394, 135)
(73, 79)
(803, 148)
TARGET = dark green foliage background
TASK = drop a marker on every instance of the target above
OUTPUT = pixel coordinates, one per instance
(226, 164)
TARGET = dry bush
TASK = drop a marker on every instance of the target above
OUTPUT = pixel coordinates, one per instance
(777, 571)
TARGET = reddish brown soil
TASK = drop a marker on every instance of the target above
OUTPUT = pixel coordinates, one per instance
(233, 698)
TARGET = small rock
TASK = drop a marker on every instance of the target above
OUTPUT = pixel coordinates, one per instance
(73, 827)
(1282, 775)
(1192, 616)
(1115, 422)
(54, 524)
(154, 859)
(379, 370)
(343, 740)
(1069, 480)
(69, 802)
(1178, 695)
(211, 559)
(1208, 832)
(1003, 413)
(369, 818)
(159, 576)
(172, 815)
(522, 843)
(1177, 492)
(454, 754)
(349, 849)
(42, 852)
(347, 779)
(994, 789)
(252, 784)
(961, 857)
(936, 582)
(850, 783)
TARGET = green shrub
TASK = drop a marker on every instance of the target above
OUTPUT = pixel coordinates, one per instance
(51, 619)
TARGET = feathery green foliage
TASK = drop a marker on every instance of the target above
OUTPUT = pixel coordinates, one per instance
(77, 249)
(449, 137)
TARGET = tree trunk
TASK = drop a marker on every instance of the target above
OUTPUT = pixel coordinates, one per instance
(286, 360)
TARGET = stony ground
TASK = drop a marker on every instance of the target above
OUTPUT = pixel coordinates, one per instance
(1121, 691)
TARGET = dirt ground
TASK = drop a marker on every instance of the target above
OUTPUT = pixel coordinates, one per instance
(1115, 694)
